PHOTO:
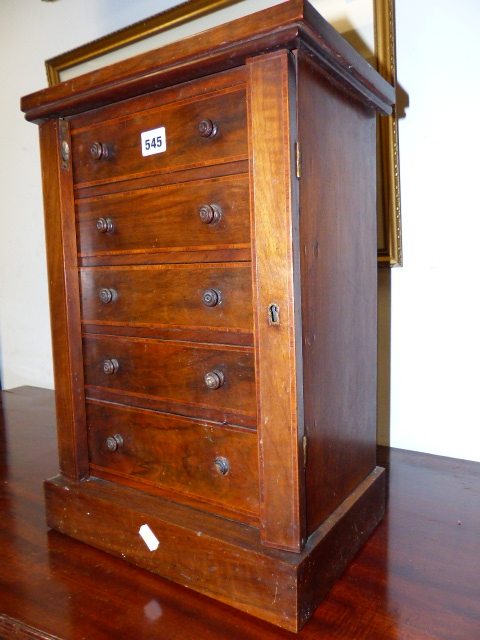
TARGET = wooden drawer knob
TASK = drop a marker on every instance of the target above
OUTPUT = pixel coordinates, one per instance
(114, 442)
(207, 128)
(214, 379)
(105, 225)
(107, 295)
(110, 366)
(211, 297)
(222, 465)
(210, 213)
(99, 151)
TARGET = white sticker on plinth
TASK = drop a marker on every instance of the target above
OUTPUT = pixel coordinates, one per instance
(154, 141)
(149, 537)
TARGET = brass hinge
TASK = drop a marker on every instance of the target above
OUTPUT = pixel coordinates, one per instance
(64, 140)
(298, 160)
(305, 452)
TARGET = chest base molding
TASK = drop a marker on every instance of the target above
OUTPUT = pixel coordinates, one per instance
(217, 557)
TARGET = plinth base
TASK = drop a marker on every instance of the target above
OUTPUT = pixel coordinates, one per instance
(217, 557)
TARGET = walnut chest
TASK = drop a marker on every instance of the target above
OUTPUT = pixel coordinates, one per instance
(211, 239)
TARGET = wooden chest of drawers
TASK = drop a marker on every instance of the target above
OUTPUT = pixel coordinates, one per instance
(212, 259)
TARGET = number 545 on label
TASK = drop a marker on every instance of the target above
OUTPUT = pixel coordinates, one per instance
(154, 141)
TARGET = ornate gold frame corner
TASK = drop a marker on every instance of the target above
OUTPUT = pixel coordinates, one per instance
(389, 211)
(390, 231)
(163, 21)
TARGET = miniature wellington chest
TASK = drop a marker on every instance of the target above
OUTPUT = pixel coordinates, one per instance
(211, 237)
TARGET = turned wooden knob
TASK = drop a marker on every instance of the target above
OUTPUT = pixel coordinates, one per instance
(105, 225)
(110, 366)
(107, 295)
(99, 151)
(211, 297)
(114, 442)
(207, 128)
(210, 213)
(214, 379)
(222, 465)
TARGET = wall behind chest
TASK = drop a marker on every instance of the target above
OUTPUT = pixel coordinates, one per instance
(32, 31)
(435, 320)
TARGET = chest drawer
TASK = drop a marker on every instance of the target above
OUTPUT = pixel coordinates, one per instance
(203, 376)
(194, 458)
(217, 296)
(195, 132)
(204, 214)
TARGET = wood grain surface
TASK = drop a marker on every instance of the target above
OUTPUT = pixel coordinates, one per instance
(172, 371)
(185, 148)
(278, 352)
(162, 451)
(166, 217)
(339, 289)
(63, 288)
(160, 296)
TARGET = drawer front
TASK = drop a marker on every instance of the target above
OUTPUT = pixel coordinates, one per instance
(114, 150)
(195, 458)
(206, 376)
(217, 296)
(203, 214)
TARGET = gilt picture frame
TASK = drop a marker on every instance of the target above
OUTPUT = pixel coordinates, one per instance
(191, 17)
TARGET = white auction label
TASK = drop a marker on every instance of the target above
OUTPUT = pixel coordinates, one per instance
(154, 141)
(149, 537)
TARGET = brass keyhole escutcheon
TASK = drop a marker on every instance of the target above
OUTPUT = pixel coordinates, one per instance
(273, 314)
(65, 151)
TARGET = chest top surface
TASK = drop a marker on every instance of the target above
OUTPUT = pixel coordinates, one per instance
(294, 24)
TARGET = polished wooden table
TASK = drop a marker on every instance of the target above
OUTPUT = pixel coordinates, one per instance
(417, 577)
